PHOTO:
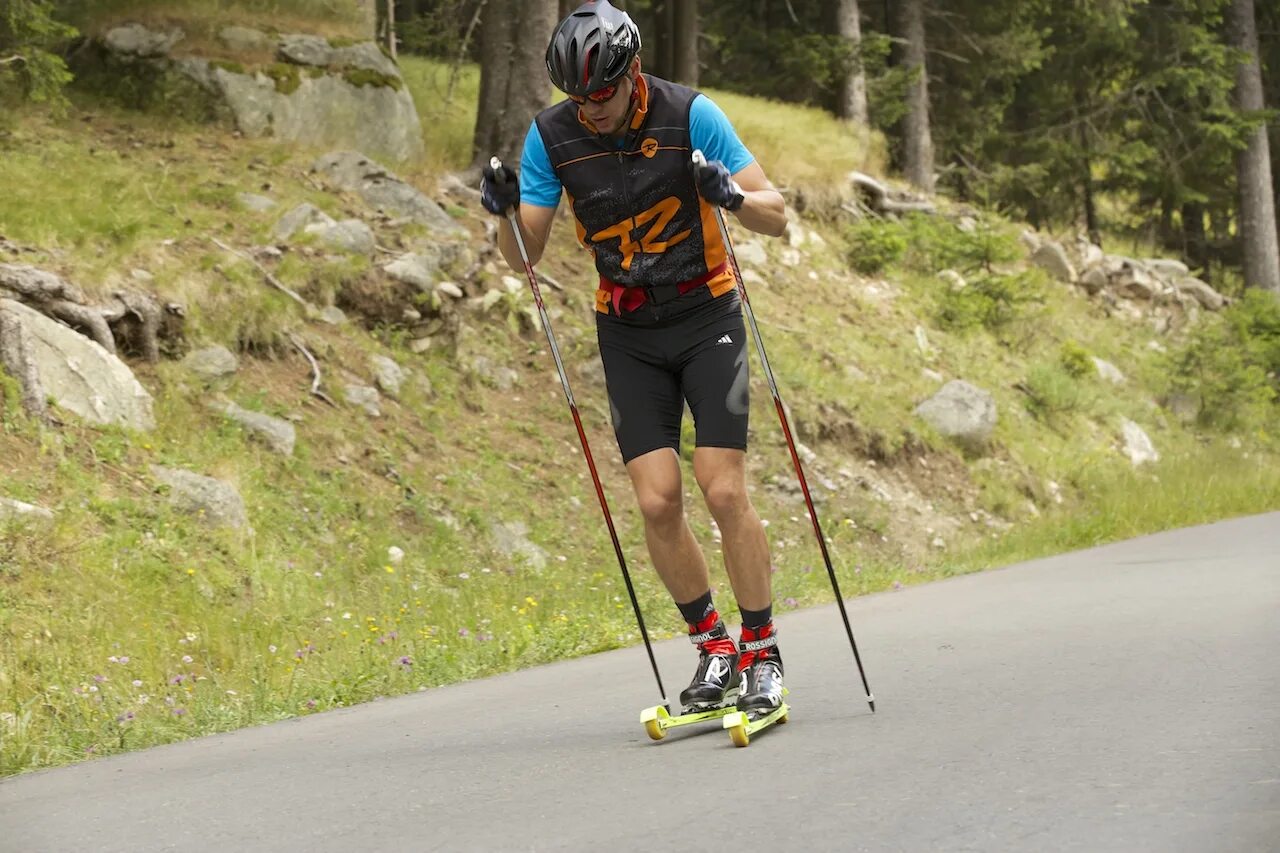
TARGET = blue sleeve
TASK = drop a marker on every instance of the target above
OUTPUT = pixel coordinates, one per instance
(710, 131)
(538, 182)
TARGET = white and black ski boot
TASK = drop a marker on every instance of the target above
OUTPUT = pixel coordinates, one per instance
(717, 671)
(760, 665)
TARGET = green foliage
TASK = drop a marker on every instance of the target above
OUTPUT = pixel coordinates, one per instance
(874, 245)
(993, 302)
(286, 75)
(937, 243)
(1052, 393)
(369, 77)
(1075, 360)
(30, 38)
(1231, 365)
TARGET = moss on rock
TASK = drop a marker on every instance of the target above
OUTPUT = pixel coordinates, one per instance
(367, 77)
(287, 77)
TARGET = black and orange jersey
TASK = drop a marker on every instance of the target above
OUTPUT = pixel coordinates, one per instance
(635, 206)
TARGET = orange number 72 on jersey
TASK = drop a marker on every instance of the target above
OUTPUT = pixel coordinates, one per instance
(661, 215)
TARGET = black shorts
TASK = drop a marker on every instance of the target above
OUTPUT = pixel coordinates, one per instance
(693, 349)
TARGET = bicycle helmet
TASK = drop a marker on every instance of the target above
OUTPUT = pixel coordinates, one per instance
(592, 48)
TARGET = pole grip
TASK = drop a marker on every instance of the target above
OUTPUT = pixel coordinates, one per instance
(499, 171)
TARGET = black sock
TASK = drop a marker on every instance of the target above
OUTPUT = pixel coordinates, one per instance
(756, 618)
(698, 609)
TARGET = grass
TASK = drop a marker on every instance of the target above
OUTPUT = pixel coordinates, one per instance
(126, 624)
(202, 18)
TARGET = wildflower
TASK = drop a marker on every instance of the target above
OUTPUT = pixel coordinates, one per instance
(391, 570)
(317, 574)
(484, 636)
(311, 704)
(114, 659)
(530, 601)
(137, 682)
(191, 572)
(897, 584)
(177, 679)
(179, 712)
(790, 602)
(99, 678)
(271, 649)
(186, 658)
(466, 576)
(125, 717)
(124, 659)
(346, 615)
(463, 632)
(406, 661)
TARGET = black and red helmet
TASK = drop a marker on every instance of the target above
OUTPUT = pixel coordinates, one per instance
(592, 48)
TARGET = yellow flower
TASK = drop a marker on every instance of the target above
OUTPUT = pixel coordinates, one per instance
(521, 611)
(390, 570)
(191, 571)
(530, 601)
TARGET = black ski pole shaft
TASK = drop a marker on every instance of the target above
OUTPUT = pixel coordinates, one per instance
(496, 164)
(699, 159)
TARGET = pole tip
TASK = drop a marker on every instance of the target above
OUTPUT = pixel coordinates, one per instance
(871, 700)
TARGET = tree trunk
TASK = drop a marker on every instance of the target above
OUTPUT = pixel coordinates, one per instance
(391, 28)
(1253, 163)
(513, 75)
(1195, 244)
(685, 68)
(368, 10)
(917, 142)
(662, 54)
(852, 106)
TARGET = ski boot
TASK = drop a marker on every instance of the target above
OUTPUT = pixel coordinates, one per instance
(713, 691)
(760, 699)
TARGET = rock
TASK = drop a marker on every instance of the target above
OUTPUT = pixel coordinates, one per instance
(135, 40)
(1053, 259)
(1090, 254)
(753, 278)
(255, 203)
(511, 540)
(1137, 445)
(80, 375)
(796, 236)
(789, 257)
(415, 269)
(364, 396)
(302, 216)
(448, 288)
(1185, 407)
(1134, 282)
(349, 235)
(15, 510)
(212, 363)
(1094, 280)
(332, 315)
(751, 254)
(953, 279)
(37, 285)
(351, 171)
(1201, 292)
(277, 434)
(246, 40)
(1030, 239)
(214, 502)
(1108, 371)
(317, 52)
(962, 412)
(922, 341)
(1167, 268)
(142, 276)
(388, 375)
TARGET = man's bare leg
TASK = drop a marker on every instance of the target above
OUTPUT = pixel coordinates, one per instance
(676, 556)
(722, 475)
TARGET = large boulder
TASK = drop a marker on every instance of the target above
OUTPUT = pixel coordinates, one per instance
(1053, 259)
(79, 374)
(351, 171)
(962, 412)
(214, 502)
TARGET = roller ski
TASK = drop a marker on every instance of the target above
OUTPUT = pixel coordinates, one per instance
(740, 685)
(711, 694)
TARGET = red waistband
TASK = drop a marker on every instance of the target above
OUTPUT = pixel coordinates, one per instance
(628, 298)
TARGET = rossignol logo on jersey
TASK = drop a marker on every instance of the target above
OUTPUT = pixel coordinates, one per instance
(649, 147)
(661, 215)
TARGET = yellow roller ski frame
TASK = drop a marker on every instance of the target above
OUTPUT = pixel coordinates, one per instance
(657, 719)
(742, 726)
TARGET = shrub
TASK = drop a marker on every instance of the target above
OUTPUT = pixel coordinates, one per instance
(874, 245)
(992, 302)
(1075, 360)
(937, 243)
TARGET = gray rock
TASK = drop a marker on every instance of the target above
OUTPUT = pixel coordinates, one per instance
(351, 171)
(419, 270)
(136, 40)
(364, 396)
(302, 216)
(1108, 371)
(1167, 268)
(277, 434)
(214, 502)
(246, 40)
(387, 374)
(1053, 259)
(36, 284)
(316, 52)
(15, 510)
(349, 235)
(751, 253)
(1137, 445)
(1201, 292)
(511, 539)
(80, 375)
(306, 50)
(1094, 280)
(256, 203)
(1133, 281)
(1029, 239)
(212, 363)
(448, 288)
(961, 412)
(332, 315)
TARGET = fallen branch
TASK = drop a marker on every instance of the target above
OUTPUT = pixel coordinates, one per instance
(315, 370)
(880, 201)
(11, 59)
(271, 279)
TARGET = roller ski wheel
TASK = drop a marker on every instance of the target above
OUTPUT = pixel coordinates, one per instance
(658, 720)
(741, 725)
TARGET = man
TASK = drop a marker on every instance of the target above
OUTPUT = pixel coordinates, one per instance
(669, 320)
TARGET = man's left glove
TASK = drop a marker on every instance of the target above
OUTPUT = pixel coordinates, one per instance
(499, 193)
(716, 186)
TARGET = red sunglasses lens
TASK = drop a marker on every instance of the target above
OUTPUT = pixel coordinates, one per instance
(599, 96)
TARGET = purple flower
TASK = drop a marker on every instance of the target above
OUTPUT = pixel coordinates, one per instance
(790, 602)
(177, 679)
(124, 659)
(484, 636)
(125, 717)
(99, 678)
(311, 704)
(179, 712)
(897, 584)
(406, 661)
(186, 658)
(807, 569)
(463, 632)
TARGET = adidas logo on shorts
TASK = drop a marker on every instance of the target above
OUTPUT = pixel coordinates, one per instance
(724, 339)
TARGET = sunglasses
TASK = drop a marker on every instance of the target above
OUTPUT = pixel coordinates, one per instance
(599, 96)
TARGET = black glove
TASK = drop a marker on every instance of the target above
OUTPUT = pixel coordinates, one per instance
(499, 193)
(716, 186)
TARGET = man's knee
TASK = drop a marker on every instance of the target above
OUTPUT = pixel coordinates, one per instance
(726, 494)
(661, 506)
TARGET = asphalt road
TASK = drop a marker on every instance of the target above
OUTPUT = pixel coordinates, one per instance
(1125, 698)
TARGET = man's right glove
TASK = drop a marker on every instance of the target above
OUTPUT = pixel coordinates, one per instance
(499, 193)
(716, 186)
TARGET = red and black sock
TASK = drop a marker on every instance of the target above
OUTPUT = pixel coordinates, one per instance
(702, 617)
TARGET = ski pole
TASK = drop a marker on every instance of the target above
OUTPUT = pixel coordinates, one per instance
(496, 164)
(699, 159)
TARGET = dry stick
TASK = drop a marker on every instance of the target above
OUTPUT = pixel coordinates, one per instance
(271, 279)
(462, 53)
(315, 370)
